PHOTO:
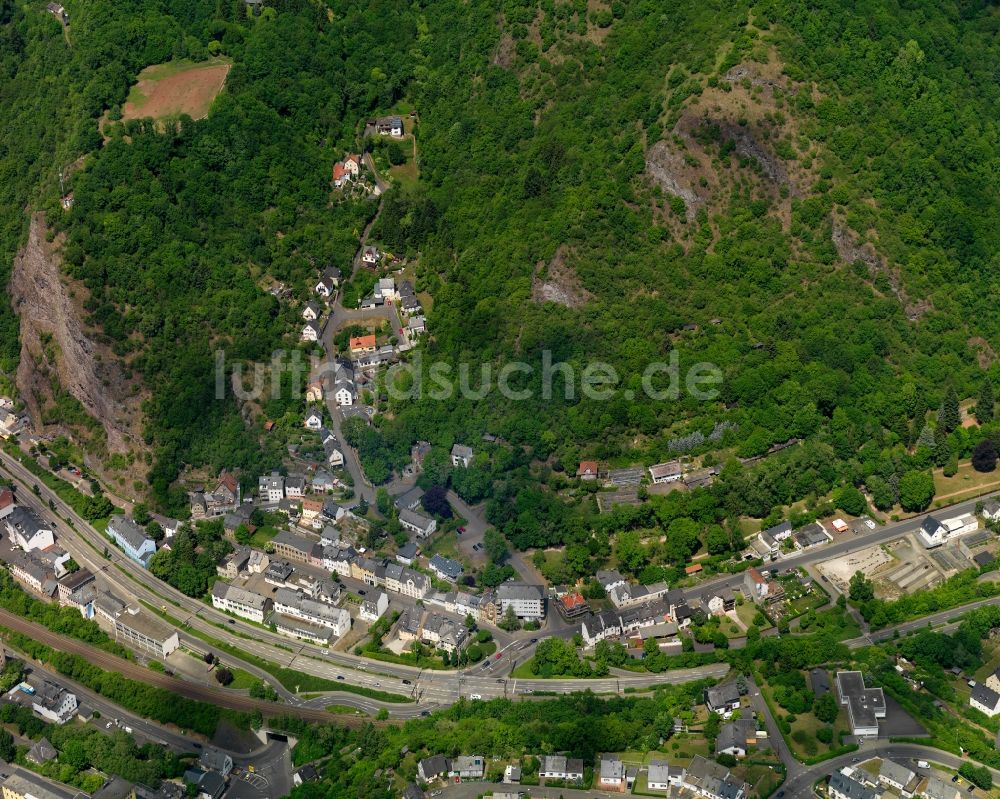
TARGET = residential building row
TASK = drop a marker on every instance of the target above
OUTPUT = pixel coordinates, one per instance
(890, 779)
(701, 777)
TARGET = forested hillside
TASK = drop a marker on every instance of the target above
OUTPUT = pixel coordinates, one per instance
(801, 193)
(178, 230)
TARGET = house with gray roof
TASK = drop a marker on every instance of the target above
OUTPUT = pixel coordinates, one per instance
(445, 568)
(844, 787)
(560, 767)
(461, 455)
(418, 523)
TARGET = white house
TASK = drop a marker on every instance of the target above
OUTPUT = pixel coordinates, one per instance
(461, 455)
(314, 419)
(373, 607)
(934, 532)
(417, 523)
(271, 488)
(898, 777)
(310, 331)
(311, 312)
(865, 706)
(240, 602)
(661, 776)
(53, 703)
(28, 531)
(991, 510)
(527, 601)
(985, 700)
(344, 387)
(843, 786)
(559, 767)
(370, 256)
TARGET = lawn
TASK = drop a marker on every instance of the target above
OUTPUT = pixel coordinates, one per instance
(345, 710)
(408, 174)
(967, 482)
(762, 779)
(242, 680)
(802, 739)
(746, 612)
(991, 656)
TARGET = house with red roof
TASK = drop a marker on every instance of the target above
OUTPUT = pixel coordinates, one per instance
(359, 344)
(588, 470)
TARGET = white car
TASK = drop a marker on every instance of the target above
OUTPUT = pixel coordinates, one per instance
(475, 696)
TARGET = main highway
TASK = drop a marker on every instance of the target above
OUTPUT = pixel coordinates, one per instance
(429, 688)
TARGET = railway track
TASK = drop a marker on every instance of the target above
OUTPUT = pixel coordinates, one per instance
(200, 693)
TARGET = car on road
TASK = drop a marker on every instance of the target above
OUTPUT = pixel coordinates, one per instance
(340, 676)
(500, 679)
(407, 682)
(362, 591)
(425, 713)
(499, 655)
(780, 794)
(533, 641)
(196, 745)
(435, 793)
(971, 788)
(475, 696)
(461, 530)
(955, 778)
(232, 621)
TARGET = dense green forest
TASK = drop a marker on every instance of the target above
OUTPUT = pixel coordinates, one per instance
(535, 123)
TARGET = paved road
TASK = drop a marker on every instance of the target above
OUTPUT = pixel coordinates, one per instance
(202, 693)
(949, 619)
(429, 688)
(798, 786)
(846, 543)
(144, 729)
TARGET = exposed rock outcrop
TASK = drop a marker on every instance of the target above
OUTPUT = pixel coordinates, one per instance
(59, 354)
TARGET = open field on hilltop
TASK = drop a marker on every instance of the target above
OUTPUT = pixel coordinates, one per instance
(177, 87)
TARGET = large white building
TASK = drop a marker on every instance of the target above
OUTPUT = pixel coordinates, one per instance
(271, 487)
(528, 601)
(240, 602)
(53, 702)
(934, 532)
(28, 531)
(299, 606)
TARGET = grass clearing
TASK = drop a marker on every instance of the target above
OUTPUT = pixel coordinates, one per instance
(965, 483)
(175, 88)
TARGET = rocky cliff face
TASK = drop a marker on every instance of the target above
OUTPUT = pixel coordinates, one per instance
(60, 357)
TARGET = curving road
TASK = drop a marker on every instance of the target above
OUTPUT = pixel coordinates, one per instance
(190, 690)
(428, 688)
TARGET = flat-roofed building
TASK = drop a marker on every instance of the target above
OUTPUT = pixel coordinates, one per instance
(865, 706)
(146, 633)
